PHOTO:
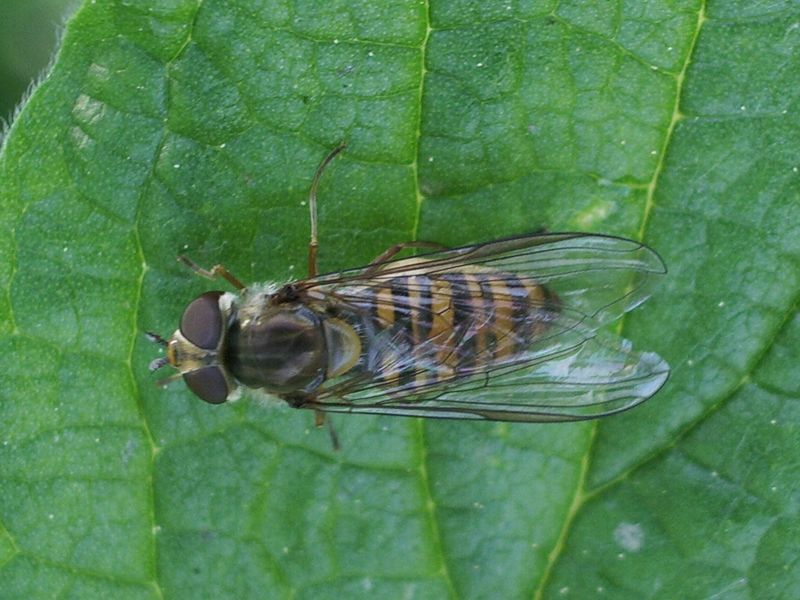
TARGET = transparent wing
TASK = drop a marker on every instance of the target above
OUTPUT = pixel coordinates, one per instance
(599, 376)
(598, 276)
(567, 371)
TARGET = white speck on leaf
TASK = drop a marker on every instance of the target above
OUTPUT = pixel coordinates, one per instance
(629, 536)
(593, 215)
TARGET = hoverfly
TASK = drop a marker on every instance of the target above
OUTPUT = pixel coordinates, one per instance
(507, 330)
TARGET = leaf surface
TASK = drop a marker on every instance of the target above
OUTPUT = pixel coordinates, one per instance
(195, 127)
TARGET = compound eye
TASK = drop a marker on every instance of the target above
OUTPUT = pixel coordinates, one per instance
(201, 322)
(208, 384)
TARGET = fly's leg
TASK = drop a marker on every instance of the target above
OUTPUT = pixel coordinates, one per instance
(397, 248)
(212, 273)
(321, 420)
(305, 401)
(392, 251)
(313, 244)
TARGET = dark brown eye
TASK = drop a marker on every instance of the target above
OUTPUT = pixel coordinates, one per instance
(208, 384)
(201, 322)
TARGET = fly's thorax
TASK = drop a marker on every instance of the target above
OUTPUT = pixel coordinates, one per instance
(197, 347)
(287, 348)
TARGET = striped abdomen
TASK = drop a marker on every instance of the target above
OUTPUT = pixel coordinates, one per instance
(435, 327)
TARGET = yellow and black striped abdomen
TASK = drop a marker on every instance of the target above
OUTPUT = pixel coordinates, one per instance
(431, 328)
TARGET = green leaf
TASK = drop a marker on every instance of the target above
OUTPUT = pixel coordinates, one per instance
(196, 127)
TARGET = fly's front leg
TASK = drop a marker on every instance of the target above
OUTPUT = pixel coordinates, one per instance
(212, 273)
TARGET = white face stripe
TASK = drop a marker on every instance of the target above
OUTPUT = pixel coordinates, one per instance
(226, 304)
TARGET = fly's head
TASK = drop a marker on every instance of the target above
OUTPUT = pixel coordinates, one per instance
(197, 348)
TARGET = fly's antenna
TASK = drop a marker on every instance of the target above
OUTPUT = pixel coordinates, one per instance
(156, 339)
(157, 363)
(312, 206)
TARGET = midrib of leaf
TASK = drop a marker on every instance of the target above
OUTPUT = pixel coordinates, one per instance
(676, 116)
(422, 74)
(581, 496)
(418, 424)
(134, 386)
(430, 505)
(154, 450)
(578, 499)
